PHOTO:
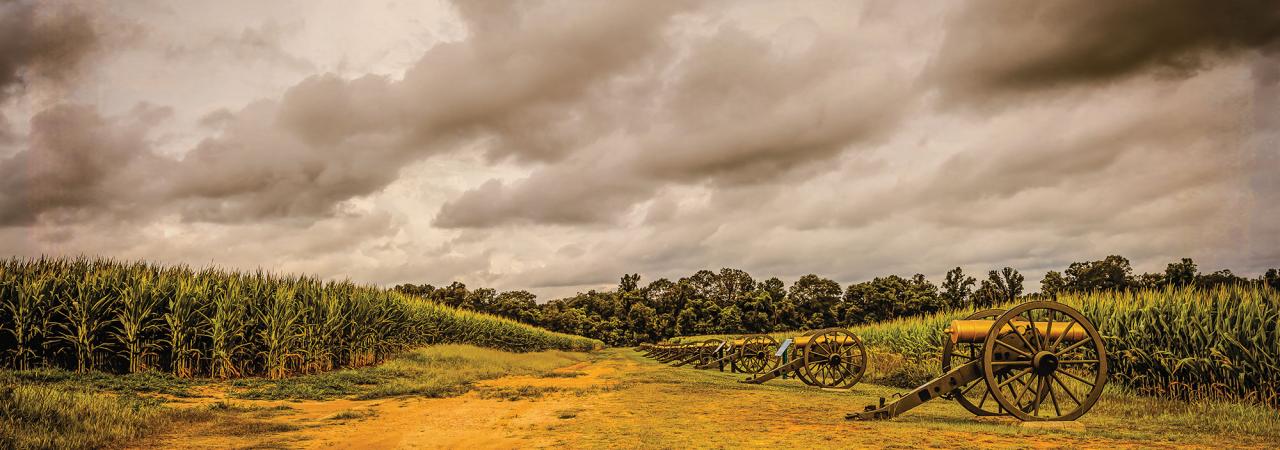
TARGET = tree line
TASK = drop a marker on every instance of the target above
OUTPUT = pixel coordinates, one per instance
(732, 301)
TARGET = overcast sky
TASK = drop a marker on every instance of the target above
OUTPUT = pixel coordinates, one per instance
(554, 146)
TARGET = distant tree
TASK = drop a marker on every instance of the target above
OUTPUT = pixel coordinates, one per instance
(1110, 274)
(957, 288)
(817, 299)
(1052, 284)
(1220, 278)
(518, 305)
(1182, 273)
(1147, 281)
(1000, 286)
(1272, 278)
(629, 283)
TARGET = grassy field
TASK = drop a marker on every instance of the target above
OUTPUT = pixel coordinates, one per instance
(58, 409)
(1189, 344)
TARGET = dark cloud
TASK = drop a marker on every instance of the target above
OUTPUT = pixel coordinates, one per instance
(738, 110)
(79, 164)
(1005, 46)
(38, 43)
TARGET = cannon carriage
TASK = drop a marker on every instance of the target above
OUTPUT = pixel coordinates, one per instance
(1037, 361)
(828, 358)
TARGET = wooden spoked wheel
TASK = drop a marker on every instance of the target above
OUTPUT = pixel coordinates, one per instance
(834, 359)
(707, 353)
(1051, 372)
(755, 355)
(974, 396)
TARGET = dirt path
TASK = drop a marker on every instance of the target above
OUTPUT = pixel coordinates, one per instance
(625, 401)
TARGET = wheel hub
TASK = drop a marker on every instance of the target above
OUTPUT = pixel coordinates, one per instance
(833, 360)
(1044, 363)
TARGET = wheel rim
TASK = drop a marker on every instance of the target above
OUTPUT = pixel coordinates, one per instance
(753, 355)
(974, 396)
(1064, 379)
(835, 358)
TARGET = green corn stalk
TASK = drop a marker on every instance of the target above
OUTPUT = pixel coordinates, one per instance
(138, 320)
(180, 319)
(85, 313)
(278, 318)
(223, 327)
(26, 309)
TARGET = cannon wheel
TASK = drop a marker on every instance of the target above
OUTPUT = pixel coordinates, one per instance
(975, 396)
(835, 358)
(707, 353)
(753, 355)
(796, 353)
(1067, 378)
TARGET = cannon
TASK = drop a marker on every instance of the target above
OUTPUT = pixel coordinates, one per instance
(827, 358)
(1038, 361)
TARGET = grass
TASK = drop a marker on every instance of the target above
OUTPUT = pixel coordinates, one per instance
(668, 407)
(435, 372)
(60, 409)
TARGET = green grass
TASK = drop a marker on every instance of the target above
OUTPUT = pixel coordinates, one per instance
(671, 407)
(57, 409)
(44, 417)
(435, 372)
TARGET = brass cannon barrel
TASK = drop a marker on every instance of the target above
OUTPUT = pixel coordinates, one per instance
(973, 331)
(803, 341)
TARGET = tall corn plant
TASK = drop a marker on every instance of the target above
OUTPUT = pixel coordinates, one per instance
(278, 316)
(26, 310)
(85, 313)
(139, 320)
(181, 319)
(223, 326)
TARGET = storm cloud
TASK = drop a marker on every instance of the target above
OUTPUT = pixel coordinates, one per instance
(552, 146)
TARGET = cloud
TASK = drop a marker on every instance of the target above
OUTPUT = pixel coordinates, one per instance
(733, 109)
(41, 43)
(79, 164)
(1004, 47)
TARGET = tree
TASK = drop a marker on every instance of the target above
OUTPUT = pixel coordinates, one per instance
(957, 288)
(629, 282)
(517, 305)
(1000, 286)
(1052, 284)
(1110, 274)
(1181, 273)
(817, 300)
(1272, 278)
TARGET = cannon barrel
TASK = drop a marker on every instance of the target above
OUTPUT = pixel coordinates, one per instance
(974, 331)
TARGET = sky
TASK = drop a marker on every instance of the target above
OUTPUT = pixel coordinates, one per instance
(553, 146)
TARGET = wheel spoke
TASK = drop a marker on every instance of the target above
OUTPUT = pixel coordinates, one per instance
(1019, 363)
(1082, 380)
(1010, 347)
(1066, 389)
(1034, 344)
(1017, 401)
(1074, 346)
(1074, 362)
(1056, 342)
(985, 394)
(1056, 411)
(1015, 377)
(1039, 396)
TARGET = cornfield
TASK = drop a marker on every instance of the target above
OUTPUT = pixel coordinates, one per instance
(124, 317)
(1220, 343)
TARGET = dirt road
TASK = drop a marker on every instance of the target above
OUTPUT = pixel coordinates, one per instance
(621, 400)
